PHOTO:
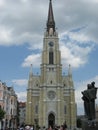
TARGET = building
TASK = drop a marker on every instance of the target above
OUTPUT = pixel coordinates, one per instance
(51, 95)
(96, 112)
(22, 112)
(8, 102)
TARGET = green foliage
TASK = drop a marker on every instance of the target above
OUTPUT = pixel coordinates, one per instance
(79, 123)
(2, 113)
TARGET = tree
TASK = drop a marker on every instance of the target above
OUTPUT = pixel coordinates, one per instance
(79, 123)
(2, 113)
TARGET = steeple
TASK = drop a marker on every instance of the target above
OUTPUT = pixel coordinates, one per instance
(50, 21)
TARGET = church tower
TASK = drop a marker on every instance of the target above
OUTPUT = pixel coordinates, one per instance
(50, 96)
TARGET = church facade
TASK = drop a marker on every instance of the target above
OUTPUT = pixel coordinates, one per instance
(51, 95)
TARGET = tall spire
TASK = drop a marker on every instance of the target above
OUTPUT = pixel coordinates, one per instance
(50, 21)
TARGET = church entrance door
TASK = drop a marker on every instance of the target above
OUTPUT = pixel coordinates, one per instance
(51, 120)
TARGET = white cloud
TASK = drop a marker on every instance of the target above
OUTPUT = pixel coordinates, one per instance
(32, 59)
(68, 58)
(75, 48)
(94, 1)
(20, 82)
(78, 36)
(2, 2)
(21, 96)
(23, 1)
(27, 18)
(5, 36)
(20, 86)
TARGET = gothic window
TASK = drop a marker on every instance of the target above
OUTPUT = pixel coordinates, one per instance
(50, 57)
(52, 69)
(51, 82)
(64, 84)
(65, 109)
(36, 109)
(37, 85)
(11, 111)
(11, 101)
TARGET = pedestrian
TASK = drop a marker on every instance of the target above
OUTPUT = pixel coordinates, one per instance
(50, 128)
(64, 126)
(61, 127)
(27, 127)
(21, 128)
(31, 128)
(55, 128)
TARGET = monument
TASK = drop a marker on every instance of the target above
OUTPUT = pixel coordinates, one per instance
(89, 96)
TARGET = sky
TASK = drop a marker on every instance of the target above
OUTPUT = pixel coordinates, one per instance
(22, 27)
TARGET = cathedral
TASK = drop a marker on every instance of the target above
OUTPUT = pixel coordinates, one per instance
(51, 95)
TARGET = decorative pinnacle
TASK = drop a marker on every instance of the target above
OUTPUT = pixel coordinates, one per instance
(31, 73)
(69, 71)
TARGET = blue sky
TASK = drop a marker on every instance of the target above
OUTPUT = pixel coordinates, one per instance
(22, 27)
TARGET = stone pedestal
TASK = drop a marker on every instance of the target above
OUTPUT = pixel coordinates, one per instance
(87, 126)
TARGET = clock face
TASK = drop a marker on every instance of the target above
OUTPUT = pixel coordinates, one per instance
(51, 44)
(51, 95)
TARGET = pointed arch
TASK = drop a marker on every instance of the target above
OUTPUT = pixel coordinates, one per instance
(51, 57)
(65, 109)
(64, 84)
(37, 83)
(51, 119)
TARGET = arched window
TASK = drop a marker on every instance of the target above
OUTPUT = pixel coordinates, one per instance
(11, 111)
(65, 109)
(36, 109)
(51, 82)
(50, 57)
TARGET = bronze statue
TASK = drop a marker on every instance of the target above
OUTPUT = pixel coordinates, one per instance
(89, 97)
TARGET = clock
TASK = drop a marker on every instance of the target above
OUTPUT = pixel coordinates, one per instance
(51, 44)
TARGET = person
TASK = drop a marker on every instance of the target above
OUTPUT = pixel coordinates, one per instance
(64, 126)
(50, 128)
(27, 127)
(21, 127)
(31, 128)
(55, 128)
(61, 127)
(43, 128)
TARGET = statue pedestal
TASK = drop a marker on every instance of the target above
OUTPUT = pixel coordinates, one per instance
(86, 125)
